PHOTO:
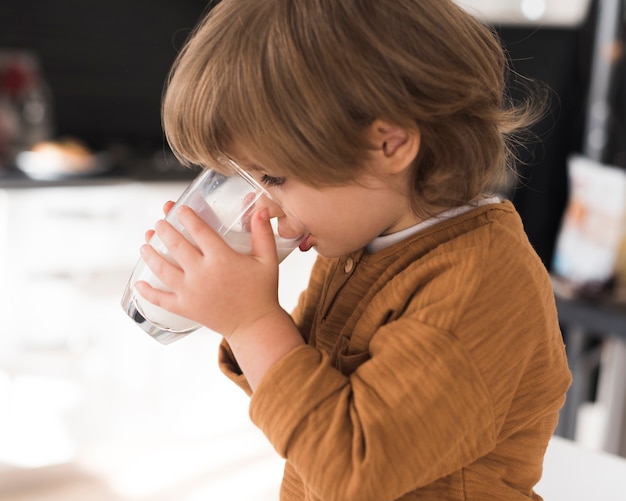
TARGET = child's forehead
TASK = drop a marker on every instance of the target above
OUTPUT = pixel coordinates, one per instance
(247, 159)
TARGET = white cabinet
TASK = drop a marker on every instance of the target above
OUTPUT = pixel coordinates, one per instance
(63, 251)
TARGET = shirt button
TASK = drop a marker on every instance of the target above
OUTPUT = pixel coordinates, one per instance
(349, 266)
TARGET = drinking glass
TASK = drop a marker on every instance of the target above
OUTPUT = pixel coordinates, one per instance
(226, 203)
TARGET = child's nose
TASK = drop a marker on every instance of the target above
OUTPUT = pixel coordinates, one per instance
(288, 227)
(263, 202)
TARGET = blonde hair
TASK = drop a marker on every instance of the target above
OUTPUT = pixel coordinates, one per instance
(297, 83)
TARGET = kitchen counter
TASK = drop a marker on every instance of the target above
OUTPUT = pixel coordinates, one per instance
(123, 167)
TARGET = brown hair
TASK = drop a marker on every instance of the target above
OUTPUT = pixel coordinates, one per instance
(298, 82)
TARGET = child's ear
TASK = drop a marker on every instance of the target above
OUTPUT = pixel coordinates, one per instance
(395, 147)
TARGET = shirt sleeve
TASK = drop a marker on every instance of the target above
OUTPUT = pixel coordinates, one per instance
(413, 428)
(229, 366)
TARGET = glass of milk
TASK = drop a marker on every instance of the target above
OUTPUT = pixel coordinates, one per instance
(226, 203)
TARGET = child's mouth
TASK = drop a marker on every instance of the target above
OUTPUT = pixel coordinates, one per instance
(306, 244)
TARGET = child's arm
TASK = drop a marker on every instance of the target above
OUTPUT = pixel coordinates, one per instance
(258, 348)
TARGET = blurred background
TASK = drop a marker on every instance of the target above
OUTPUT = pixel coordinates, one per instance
(90, 406)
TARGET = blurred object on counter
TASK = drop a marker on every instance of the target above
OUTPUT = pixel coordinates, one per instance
(60, 159)
(593, 228)
(9, 129)
(592, 232)
(105, 62)
(25, 104)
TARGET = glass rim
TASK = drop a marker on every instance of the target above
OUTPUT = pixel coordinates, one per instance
(229, 162)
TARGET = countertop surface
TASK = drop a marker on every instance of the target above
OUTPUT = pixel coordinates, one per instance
(122, 167)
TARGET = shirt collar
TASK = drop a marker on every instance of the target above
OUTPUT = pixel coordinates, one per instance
(384, 241)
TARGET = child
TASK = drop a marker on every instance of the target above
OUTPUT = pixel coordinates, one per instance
(424, 360)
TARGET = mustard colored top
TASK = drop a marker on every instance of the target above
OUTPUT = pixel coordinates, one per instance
(434, 370)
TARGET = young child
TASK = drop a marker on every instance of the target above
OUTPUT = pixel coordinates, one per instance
(424, 360)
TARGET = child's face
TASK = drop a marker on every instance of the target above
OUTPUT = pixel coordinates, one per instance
(341, 219)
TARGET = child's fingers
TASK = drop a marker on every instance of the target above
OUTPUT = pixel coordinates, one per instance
(180, 249)
(167, 207)
(201, 233)
(263, 240)
(167, 272)
(155, 296)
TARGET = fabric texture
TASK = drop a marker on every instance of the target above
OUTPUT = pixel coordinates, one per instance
(433, 370)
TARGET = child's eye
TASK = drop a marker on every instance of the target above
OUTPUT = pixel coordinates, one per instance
(271, 180)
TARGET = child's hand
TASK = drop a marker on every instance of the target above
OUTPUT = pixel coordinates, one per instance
(167, 207)
(212, 284)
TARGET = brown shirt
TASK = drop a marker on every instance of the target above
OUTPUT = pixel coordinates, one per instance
(434, 370)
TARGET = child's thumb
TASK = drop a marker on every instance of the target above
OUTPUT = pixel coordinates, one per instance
(263, 240)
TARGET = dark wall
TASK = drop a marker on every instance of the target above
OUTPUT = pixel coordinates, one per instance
(559, 58)
(105, 62)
